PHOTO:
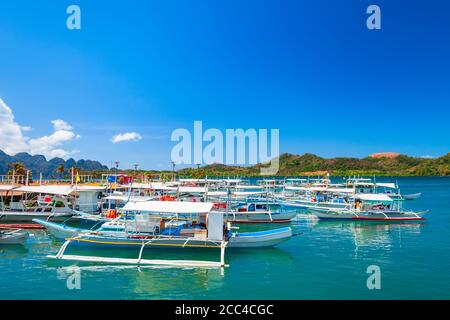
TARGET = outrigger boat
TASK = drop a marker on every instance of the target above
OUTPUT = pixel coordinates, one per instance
(45, 202)
(369, 207)
(336, 196)
(166, 224)
(313, 197)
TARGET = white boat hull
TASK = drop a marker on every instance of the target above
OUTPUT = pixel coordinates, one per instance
(260, 239)
(57, 230)
(366, 215)
(412, 196)
(255, 217)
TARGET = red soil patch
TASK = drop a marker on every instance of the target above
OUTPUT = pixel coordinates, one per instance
(384, 155)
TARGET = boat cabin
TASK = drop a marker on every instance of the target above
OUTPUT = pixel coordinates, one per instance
(35, 199)
(253, 207)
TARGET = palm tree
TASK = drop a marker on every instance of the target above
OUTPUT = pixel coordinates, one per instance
(60, 170)
(19, 169)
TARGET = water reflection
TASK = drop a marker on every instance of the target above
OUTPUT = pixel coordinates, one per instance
(150, 281)
(371, 235)
(12, 251)
(171, 282)
(273, 255)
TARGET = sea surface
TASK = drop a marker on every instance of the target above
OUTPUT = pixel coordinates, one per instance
(328, 260)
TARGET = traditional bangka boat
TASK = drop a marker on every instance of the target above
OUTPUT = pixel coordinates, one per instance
(166, 224)
(370, 207)
(22, 204)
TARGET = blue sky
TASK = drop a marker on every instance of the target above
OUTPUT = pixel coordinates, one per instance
(310, 68)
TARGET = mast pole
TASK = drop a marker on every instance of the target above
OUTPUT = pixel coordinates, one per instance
(12, 189)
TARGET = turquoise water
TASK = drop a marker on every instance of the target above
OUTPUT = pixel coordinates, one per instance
(327, 261)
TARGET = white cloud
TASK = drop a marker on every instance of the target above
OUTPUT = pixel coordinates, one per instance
(61, 125)
(127, 136)
(50, 145)
(13, 141)
(26, 128)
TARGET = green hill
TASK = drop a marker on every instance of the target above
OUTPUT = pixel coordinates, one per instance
(310, 164)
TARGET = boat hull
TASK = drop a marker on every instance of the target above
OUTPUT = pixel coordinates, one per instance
(261, 239)
(349, 215)
(22, 216)
(59, 231)
(245, 217)
(411, 196)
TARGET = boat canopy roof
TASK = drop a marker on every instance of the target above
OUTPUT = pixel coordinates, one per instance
(7, 187)
(341, 190)
(359, 179)
(201, 180)
(89, 188)
(373, 197)
(325, 189)
(153, 186)
(363, 183)
(192, 189)
(217, 193)
(296, 188)
(318, 188)
(387, 185)
(249, 187)
(169, 206)
(247, 193)
(48, 189)
(123, 197)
